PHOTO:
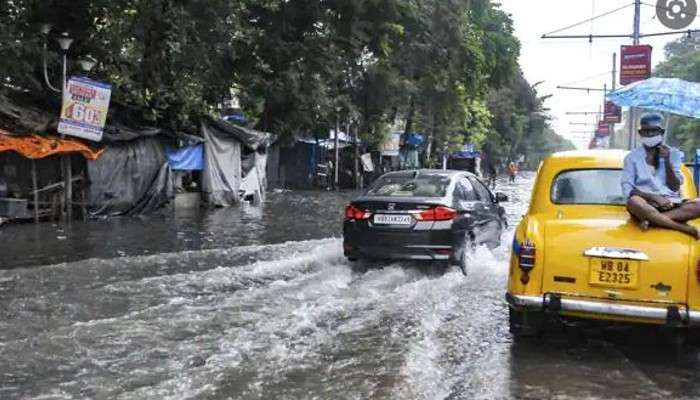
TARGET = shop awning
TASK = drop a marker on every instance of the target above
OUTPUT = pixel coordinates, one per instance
(36, 147)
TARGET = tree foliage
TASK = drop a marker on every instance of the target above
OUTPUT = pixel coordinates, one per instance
(298, 66)
(520, 124)
(683, 61)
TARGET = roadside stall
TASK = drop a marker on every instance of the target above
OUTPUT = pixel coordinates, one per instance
(31, 174)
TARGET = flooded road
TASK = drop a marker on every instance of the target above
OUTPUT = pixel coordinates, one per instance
(260, 304)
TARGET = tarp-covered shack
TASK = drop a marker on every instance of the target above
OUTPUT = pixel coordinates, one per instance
(130, 171)
(235, 163)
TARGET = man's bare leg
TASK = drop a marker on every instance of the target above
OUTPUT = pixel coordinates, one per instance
(688, 211)
(639, 207)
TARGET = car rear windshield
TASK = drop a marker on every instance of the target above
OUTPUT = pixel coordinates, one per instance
(591, 186)
(409, 185)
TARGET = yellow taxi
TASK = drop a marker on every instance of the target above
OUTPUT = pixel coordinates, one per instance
(578, 254)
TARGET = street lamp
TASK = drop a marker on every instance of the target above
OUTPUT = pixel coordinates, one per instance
(87, 63)
(45, 30)
(64, 41)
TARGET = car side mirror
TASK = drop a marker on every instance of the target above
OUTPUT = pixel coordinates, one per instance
(501, 198)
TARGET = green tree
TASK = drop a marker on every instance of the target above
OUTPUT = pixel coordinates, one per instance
(683, 61)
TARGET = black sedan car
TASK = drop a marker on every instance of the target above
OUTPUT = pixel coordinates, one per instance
(430, 215)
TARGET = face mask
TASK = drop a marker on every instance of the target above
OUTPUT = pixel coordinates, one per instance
(652, 141)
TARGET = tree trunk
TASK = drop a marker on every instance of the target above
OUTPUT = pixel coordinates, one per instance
(409, 117)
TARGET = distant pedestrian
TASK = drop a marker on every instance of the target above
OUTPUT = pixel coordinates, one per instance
(488, 171)
(512, 171)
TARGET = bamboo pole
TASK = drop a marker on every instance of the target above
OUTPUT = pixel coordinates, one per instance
(358, 183)
(336, 172)
(36, 192)
(69, 188)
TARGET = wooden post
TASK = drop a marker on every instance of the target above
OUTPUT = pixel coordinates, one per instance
(69, 187)
(336, 167)
(35, 186)
(357, 160)
(62, 195)
(83, 196)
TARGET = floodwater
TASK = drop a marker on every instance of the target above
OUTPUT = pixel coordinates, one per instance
(259, 303)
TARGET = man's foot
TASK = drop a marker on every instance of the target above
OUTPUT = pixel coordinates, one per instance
(692, 232)
(696, 233)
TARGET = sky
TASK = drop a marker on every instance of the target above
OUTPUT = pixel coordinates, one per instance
(576, 62)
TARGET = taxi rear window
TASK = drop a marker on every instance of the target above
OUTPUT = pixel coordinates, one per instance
(590, 186)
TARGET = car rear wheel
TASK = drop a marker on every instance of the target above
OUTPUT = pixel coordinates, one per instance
(461, 256)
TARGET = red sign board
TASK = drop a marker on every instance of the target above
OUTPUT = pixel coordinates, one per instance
(635, 64)
(613, 113)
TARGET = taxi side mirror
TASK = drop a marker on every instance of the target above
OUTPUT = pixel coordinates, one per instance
(501, 198)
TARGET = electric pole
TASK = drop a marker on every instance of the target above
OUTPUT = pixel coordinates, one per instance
(614, 78)
(631, 114)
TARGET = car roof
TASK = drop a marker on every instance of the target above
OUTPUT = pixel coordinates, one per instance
(440, 172)
(582, 159)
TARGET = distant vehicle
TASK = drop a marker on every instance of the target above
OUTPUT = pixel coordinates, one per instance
(578, 255)
(430, 215)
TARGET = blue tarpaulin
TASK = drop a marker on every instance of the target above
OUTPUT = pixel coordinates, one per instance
(186, 158)
(414, 139)
(675, 96)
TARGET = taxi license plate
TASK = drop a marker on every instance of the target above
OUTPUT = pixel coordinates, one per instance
(383, 219)
(614, 273)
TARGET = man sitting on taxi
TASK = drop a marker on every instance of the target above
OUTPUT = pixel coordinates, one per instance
(651, 181)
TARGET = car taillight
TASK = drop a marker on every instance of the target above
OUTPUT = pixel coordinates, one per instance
(697, 271)
(354, 213)
(526, 257)
(437, 214)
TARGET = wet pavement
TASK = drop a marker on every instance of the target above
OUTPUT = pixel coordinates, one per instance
(251, 303)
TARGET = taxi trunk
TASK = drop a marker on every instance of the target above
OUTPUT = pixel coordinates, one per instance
(607, 257)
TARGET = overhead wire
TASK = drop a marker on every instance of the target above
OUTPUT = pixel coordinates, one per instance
(590, 19)
(587, 78)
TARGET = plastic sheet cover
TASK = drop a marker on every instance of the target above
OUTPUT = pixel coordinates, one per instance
(36, 147)
(255, 181)
(190, 158)
(130, 178)
(221, 178)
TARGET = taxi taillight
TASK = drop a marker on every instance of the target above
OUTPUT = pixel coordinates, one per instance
(697, 271)
(526, 258)
(354, 213)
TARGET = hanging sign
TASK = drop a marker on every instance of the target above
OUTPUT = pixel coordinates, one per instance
(613, 113)
(635, 64)
(84, 110)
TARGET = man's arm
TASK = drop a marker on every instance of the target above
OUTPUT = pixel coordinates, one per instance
(628, 174)
(672, 159)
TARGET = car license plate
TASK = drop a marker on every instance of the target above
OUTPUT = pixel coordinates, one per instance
(384, 219)
(614, 273)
